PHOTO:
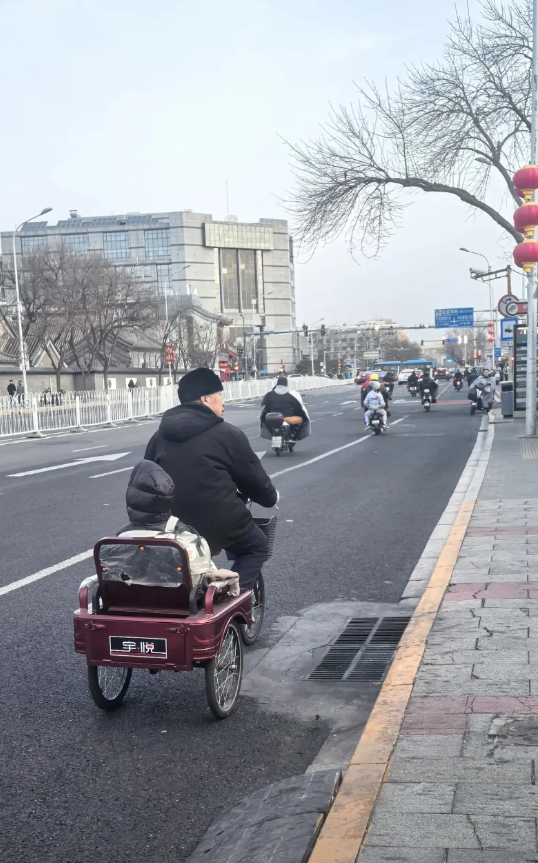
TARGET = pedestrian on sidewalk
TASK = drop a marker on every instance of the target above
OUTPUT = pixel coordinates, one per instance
(11, 391)
(131, 386)
(20, 392)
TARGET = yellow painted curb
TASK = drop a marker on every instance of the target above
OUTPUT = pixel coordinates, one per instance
(342, 835)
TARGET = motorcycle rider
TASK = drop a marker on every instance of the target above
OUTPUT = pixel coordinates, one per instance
(375, 401)
(471, 377)
(210, 462)
(367, 387)
(388, 381)
(284, 401)
(412, 380)
(486, 383)
(427, 383)
(458, 378)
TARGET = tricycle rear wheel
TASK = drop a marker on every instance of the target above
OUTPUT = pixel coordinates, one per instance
(108, 685)
(223, 673)
(251, 633)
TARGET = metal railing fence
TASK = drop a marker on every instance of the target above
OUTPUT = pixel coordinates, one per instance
(37, 415)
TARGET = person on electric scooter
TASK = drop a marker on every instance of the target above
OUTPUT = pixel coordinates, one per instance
(412, 380)
(486, 383)
(213, 467)
(428, 383)
(458, 378)
(289, 403)
(388, 382)
(375, 401)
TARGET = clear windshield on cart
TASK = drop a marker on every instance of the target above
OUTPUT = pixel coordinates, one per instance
(152, 565)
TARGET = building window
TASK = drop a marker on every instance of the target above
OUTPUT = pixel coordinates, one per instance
(233, 235)
(247, 273)
(116, 246)
(157, 244)
(76, 243)
(30, 244)
(229, 279)
(163, 281)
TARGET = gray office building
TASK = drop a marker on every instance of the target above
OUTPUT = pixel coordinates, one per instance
(244, 271)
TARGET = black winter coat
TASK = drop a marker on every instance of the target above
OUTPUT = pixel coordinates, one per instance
(282, 403)
(209, 461)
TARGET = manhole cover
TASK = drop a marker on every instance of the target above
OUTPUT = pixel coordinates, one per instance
(363, 651)
(519, 730)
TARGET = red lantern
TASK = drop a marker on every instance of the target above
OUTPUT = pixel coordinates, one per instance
(526, 255)
(526, 218)
(491, 323)
(526, 179)
(491, 339)
(519, 192)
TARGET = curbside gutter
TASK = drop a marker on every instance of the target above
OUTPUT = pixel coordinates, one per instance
(344, 830)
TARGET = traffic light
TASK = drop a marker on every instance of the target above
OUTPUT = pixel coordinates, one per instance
(305, 330)
(443, 341)
(236, 366)
(281, 369)
(323, 330)
(422, 343)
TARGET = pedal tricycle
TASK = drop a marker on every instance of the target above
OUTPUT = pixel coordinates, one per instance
(144, 610)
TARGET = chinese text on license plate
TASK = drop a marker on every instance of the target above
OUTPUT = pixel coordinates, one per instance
(123, 646)
(276, 441)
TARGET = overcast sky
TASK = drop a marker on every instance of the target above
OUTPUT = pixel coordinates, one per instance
(119, 105)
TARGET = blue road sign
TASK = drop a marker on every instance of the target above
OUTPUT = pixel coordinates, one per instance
(497, 353)
(507, 329)
(451, 341)
(454, 317)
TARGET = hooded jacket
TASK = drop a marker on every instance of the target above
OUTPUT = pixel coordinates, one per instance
(210, 461)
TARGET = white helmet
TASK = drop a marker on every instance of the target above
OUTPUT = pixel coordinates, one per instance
(375, 385)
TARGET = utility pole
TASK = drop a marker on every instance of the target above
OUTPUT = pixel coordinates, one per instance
(312, 353)
(531, 383)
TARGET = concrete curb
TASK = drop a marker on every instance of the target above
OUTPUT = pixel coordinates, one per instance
(345, 828)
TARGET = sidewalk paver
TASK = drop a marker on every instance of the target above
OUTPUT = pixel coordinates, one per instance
(461, 784)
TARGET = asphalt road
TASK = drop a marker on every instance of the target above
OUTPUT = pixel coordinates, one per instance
(144, 783)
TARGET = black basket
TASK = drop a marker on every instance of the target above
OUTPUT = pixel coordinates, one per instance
(268, 525)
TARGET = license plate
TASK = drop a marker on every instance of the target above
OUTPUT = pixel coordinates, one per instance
(426, 391)
(375, 422)
(276, 441)
(122, 646)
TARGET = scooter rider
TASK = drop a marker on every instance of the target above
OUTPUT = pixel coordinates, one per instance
(289, 403)
(209, 462)
(388, 382)
(486, 383)
(458, 378)
(412, 380)
(367, 388)
(427, 383)
(375, 401)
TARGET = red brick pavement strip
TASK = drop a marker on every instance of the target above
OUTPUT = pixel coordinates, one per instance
(431, 716)
(492, 590)
(499, 530)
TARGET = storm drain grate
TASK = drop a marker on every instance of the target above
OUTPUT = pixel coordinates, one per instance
(363, 651)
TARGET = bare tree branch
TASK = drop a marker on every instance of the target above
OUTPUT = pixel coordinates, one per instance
(426, 135)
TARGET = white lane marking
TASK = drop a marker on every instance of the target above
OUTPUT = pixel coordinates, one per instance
(261, 454)
(86, 448)
(109, 472)
(352, 402)
(64, 564)
(338, 414)
(327, 454)
(75, 463)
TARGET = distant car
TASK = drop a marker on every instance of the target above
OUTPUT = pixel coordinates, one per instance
(403, 376)
(442, 374)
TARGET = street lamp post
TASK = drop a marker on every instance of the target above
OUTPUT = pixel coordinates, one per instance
(22, 344)
(312, 343)
(492, 311)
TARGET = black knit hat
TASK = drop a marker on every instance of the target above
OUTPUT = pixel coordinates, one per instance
(282, 381)
(198, 383)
